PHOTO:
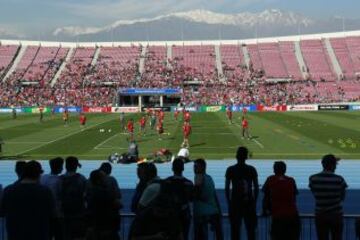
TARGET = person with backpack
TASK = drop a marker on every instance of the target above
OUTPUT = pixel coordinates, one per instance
(207, 209)
(72, 197)
(157, 216)
(183, 189)
(242, 196)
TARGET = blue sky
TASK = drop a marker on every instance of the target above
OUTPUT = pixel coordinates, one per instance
(41, 16)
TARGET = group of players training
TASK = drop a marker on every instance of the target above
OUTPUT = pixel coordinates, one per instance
(156, 121)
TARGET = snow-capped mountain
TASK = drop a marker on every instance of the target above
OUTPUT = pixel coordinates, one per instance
(272, 16)
(201, 25)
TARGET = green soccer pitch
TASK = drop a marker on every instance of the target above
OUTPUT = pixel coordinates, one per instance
(291, 135)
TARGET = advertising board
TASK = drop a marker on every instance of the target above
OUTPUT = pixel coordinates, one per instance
(125, 109)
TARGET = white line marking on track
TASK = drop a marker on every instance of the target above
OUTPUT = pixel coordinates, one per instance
(63, 137)
(258, 143)
(106, 140)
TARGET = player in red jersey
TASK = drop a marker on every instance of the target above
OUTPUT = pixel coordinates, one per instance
(244, 111)
(161, 115)
(176, 114)
(245, 128)
(187, 116)
(160, 128)
(130, 128)
(82, 120)
(186, 132)
(229, 114)
(142, 123)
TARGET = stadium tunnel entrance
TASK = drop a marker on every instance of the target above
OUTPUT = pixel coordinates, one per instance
(149, 97)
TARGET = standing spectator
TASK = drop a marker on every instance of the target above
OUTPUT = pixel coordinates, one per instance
(183, 188)
(140, 187)
(280, 202)
(157, 205)
(102, 209)
(329, 192)
(19, 170)
(72, 199)
(206, 205)
(53, 182)
(243, 195)
(111, 181)
(28, 207)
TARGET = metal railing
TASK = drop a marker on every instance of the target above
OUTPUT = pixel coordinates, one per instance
(308, 230)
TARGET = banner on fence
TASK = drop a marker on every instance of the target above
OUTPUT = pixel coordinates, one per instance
(71, 109)
(9, 110)
(125, 109)
(165, 109)
(97, 109)
(334, 107)
(279, 108)
(306, 107)
(355, 107)
(212, 109)
(190, 109)
(240, 108)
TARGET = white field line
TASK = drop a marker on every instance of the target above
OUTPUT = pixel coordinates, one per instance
(106, 140)
(258, 143)
(254, 140)
(63, 137)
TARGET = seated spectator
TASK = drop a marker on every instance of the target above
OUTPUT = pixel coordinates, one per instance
(53, 182)
(329, 193)
(133, 151)
(184, 154)
(206, 205)
(242, 198)
(183, 188)
(30, 219)
(102, 209)
(73, 199)
(280, 202)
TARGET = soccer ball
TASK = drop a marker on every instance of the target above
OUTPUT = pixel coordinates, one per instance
(109, 130)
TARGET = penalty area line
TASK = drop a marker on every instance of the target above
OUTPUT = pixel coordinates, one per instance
(258, 143)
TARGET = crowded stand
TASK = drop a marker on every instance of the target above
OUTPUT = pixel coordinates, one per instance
(271, 75)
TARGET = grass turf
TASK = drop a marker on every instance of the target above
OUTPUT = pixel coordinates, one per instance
(291, 135)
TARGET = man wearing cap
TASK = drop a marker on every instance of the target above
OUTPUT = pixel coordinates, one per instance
(328, 189)
(28, 207)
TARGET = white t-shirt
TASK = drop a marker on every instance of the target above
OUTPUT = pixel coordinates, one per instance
(183, 152)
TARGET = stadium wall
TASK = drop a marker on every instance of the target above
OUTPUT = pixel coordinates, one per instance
(170, 43)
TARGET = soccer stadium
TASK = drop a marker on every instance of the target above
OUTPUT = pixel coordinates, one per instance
(182, 138)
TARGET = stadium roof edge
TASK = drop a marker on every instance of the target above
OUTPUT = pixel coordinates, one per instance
(180, 43)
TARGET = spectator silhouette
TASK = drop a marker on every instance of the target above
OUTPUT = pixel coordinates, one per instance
(111, 181)
(242, 196)
(102, 208)
(206, 205)
(19, 170)
(157, 215)
(329, 193)
(53, 182)
(140, 187)
(28, 207)
(72, 199)
(183, 189)
(280, 202)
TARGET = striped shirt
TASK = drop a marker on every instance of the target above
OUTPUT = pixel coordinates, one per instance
(329, 192)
